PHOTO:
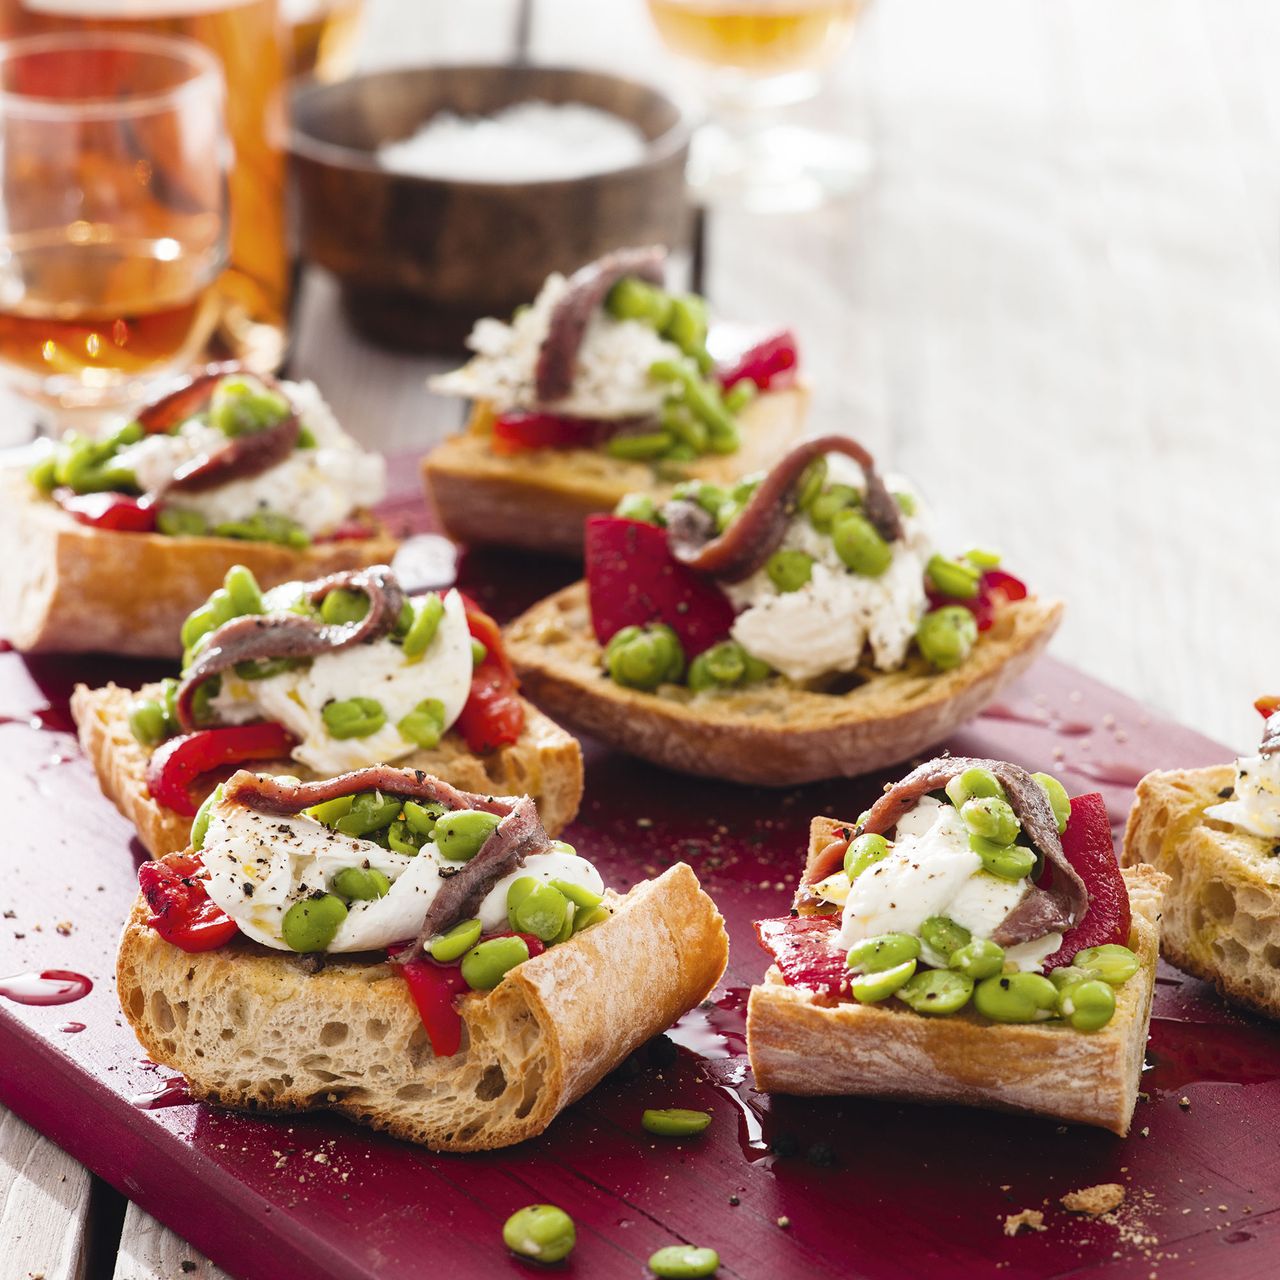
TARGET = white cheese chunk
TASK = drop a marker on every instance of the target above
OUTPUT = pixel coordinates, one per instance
(611, 378)
(296, 699)
(1255, 807)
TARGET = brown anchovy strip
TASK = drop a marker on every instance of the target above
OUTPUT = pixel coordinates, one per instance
(1270, 735)
(1040, 911)
(243, 456)
(259, 636)
(758, 530)
(518, 834)
(247, 455)
(174, 409)
(588, 287)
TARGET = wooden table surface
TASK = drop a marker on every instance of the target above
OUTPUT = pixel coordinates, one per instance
(1056, 305)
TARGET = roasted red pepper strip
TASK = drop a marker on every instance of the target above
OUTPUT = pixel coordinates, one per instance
(633, 579)
(1268, 706)
(176, 764)
(182, 912)
(493, 715)
(1090, 849)
(518, 432)
(435, 989)
(770, 363)
(995, 587)
(806, 952)
(114, 511)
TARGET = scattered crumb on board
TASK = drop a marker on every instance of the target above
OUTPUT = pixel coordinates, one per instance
(1104, 1198)
(1028, 1219)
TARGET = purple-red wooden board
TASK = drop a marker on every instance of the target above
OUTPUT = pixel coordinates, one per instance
(780, 1187)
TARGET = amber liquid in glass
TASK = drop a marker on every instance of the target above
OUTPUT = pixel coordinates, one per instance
(767, 38)
(248, 38)
(88, 306)
(323, 37)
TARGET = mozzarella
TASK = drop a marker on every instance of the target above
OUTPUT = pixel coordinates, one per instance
(1255, 806)
(931, 871)
(611, 378)
(318, 488)
(296, 699)
(557, 865)
(260, 865)
(825, 626)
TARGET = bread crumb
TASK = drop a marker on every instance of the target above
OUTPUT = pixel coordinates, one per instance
(1102, 1198)
(784, 1222)
(1031, 1219)
(63, 927)
(1184, 1102)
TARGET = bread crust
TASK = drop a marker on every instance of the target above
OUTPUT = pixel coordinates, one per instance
(251, 1029)
(772, 734)
(545, 763)
(540, 498)
(70, 588)
(1222, 910)
(800, 1046)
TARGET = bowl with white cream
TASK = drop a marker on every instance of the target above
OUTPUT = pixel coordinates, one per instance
(440, 194)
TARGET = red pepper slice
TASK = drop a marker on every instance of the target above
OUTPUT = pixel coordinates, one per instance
(1090, 849)
(806, 952)
(995, 587)
(435, 989)
(176, 764)
(1268, 705)
(493, 715)
(182, 912)
(352, 530)
(114, 511)
(771, 363)
(633, 579)
(517, 432)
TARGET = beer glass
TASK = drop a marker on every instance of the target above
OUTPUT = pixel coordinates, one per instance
(751, 58)
(113, 213)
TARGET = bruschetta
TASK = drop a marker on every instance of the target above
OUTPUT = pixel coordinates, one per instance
(313, 678)
(111, 542)
(606, 384)
(421, 959)
(1216, 833)
(798, 625)
(970, 939)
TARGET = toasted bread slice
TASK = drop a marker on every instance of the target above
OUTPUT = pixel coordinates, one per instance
(251, 1028)
(71, 588)
(770, 734)
(546, 763)
(540, 498)
(797, 1045)
(1222, 910)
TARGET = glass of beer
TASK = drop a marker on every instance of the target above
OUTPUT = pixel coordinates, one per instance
(752, 57)
(113, 214)
(323, 35)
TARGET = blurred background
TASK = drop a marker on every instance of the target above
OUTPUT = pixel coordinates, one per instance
(1030, 251)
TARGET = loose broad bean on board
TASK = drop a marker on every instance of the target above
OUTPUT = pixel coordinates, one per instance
(541, 1232)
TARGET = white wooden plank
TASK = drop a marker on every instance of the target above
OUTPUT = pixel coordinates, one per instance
(150, 1251)
(44, 1203)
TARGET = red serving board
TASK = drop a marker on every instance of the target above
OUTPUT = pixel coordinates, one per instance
(780, 1187)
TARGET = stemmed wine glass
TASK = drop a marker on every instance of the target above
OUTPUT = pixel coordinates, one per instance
(752, 57)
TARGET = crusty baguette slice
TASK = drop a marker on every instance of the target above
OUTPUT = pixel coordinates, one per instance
(66, 587)
(772, 734)
(1222, 910)
(799, 1046)
(251, 1028)
(540, 498)
(546, 763)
